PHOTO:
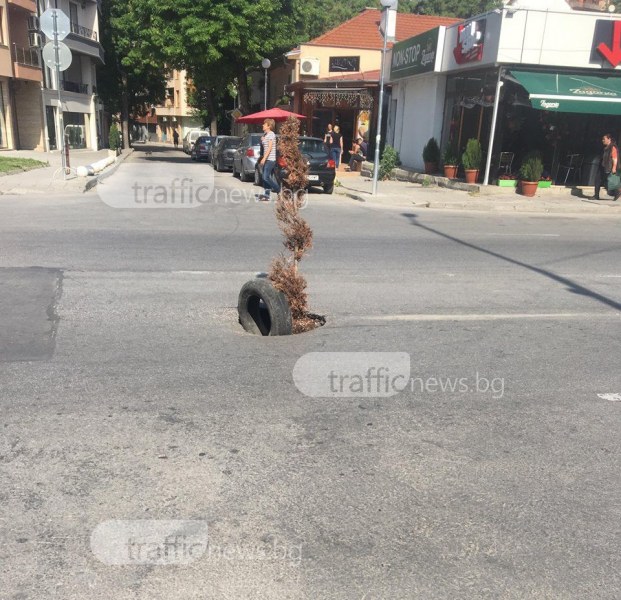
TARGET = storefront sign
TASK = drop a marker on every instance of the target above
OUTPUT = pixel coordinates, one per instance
(344, 63)
(559, 92)
(607, 41)
(415, 55)
(470, 42)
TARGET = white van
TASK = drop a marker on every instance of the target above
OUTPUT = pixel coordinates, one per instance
(190, 137)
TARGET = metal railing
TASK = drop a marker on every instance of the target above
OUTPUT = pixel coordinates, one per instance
(26, 56)
(78, 88)
(82, 31)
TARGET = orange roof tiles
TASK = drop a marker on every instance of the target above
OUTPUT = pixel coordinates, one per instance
(362, 30)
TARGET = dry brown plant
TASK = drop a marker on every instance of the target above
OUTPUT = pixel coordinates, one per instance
(297, 235)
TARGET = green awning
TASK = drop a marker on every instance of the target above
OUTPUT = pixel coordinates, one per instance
(593, 94)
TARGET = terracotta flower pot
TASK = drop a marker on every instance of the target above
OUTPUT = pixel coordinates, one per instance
(471, 175)
(450, 171)
(529, 188)
(431, 168)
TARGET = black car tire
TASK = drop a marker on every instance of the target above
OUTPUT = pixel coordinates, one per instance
(258, 180)
(263, 310)
(215, 166)
(234, 171)
(243, 176)
(328, 188)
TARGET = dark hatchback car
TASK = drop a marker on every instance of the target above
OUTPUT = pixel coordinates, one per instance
(223, 153)
(321, 168)
(201, 148)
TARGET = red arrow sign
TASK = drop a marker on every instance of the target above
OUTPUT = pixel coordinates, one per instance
(612, 55)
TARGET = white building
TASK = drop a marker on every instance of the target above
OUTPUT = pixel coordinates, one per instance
(534, 75)
(81, 108)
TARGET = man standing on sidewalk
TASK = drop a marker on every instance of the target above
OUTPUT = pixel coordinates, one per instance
(268, 162)
(607, 166)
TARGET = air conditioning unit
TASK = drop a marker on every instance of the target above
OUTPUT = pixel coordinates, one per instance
(33, 23)
(34, 40)
(309, 66)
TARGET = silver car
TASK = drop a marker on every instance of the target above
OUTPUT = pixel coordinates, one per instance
(246, 156)
(191, 137)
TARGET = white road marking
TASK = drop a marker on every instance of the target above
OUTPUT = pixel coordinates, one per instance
(525, 234)
(491, 317)
(610, 397)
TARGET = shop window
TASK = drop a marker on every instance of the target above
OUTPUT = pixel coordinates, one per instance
(75, 129)
(1, 27)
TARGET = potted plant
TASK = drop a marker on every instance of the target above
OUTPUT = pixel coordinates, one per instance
(507, 180)
(545, 181)
(451, 163)
(431, 156)
(114, 139)
(530, 174)
(471, 159)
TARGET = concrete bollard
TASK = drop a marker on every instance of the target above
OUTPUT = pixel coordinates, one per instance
(96, 167)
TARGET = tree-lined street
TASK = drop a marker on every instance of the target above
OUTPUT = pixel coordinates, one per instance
(129, 391)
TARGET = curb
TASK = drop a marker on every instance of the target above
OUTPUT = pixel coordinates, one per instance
(410, 176)
(91, 183)
(486, 206)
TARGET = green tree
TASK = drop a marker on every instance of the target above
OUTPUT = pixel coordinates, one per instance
(133, 76)
(449, 8)
(218, 38)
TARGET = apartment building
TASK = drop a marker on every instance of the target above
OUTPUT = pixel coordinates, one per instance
(82, 112)
(21, 117)
(6, 74)
(29, 116)
(175, 113)
(25, 87)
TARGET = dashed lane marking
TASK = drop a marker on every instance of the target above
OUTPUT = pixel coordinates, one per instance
(610, 397)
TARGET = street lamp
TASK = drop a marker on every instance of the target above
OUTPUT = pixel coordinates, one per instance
(266, 64)
(387, 5)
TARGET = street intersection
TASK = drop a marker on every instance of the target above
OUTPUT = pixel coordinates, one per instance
(130, 392)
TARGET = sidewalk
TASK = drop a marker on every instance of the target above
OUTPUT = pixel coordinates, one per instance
(556, 199)
(50, 179)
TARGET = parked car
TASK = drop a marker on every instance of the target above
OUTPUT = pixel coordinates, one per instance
(216, 141)
(191, 137)
(222, 153)
(321, 168)
(246, 156)
(201, 148)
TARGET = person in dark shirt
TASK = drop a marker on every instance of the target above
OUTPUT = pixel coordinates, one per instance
(608, 165)
(336, 148)
(327, 138)
(359, 153)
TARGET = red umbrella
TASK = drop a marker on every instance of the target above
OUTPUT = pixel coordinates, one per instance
(278, 114)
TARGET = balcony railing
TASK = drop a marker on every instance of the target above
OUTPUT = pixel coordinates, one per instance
(84, 32)
(78, 88)
(26, 56)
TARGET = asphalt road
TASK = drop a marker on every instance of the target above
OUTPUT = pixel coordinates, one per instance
(129, 392)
